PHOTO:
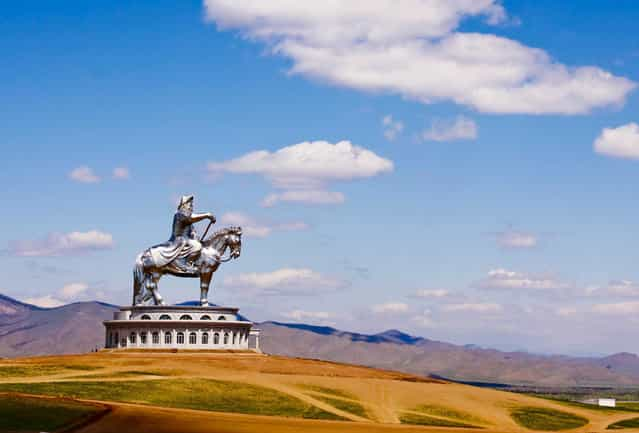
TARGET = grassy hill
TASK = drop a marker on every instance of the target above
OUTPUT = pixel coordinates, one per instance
(244, 392)
(26, 330)
(397, 351)
(29, 330)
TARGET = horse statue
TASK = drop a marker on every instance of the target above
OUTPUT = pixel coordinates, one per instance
(149, 266)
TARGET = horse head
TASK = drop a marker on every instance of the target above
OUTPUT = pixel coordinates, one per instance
(229, 237)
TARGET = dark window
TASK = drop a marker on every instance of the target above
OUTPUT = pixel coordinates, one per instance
(226, 338)
(205, 338)
(155, 337)
(132, 338)
(186, 317)
(165, 317)
(192, 338)
(205, 317)
(216, 338)
(142, 337)
(167, 338)
(180, 338)
(234, 337)
(145, 317)
(221, 318)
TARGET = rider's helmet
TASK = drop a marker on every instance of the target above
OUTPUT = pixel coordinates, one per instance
(184, 200)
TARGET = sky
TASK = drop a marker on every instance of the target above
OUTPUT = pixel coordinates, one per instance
(460, 170)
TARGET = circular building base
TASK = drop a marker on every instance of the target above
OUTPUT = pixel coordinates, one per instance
(180, 327)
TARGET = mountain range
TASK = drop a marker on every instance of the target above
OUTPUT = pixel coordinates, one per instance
(27, 330)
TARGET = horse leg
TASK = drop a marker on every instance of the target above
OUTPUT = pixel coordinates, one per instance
(148, 292)
(140, 291)
(152, 287)
(156, 294)
(138, 280)
(205, 281)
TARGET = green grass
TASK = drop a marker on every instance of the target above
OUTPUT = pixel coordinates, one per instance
(539, 418)
(630, 406)
(626, 423)
(425, 420)
(29, 414)
(117, 374)
(447, 412)
(28, 370)
(202, 394)
(345, 405)
(329, 391)
(621, 406)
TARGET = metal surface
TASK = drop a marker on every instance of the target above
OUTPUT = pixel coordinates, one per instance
(184, 255)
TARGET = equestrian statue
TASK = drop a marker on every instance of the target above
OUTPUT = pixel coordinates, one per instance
(184, 255)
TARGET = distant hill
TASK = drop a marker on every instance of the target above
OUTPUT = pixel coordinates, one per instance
(395, 350)
(75, 328)
(29, 330)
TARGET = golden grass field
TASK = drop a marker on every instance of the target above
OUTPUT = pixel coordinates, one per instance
(248, 392)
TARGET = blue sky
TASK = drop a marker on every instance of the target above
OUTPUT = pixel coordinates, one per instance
(495, 205)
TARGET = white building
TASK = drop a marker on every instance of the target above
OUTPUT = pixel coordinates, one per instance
(607, 402)
(180, 327)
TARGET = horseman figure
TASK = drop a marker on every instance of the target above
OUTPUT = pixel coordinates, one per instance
(183, 248)
(184, 255)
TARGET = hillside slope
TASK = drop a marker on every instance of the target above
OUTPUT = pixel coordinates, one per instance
(28, 330)
(246, 392)
(397, 351)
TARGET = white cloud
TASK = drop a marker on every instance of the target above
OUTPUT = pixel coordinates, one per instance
(292, 226)
(631, 307)
(424, 320)
(303, 170)
(83, 174)
(482, 307)
(56, 244)
(623, 288)
(318, 197)
(336, 21)
(253, 228)
(73, 289)
(566, 311)
(286, 281)
(392, 127)
(511, 280)
(44, 301)
(432, 293)
(308, 164)
(621, 142)
(390, 308)
(460, 128)
(516, 240)
(615, 288)
(412, 48)
(305, 315)
(121, 173)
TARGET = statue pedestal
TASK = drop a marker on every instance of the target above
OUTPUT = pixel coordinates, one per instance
(180, 327)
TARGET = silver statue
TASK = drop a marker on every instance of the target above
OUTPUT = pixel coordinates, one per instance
(184, 255)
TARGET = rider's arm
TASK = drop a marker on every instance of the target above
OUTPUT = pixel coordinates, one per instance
(202, 216)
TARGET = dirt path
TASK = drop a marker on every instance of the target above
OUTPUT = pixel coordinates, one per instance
(385, 395)
(131, 418)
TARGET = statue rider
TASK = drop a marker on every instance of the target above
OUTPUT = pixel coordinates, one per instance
(183, 248)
